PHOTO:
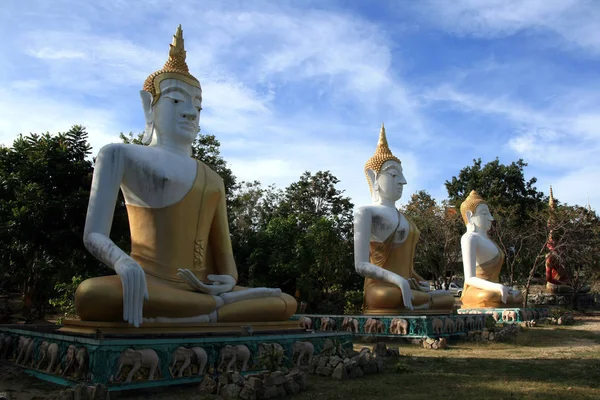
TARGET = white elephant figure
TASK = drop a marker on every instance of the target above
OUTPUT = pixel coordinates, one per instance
(270, 348)
(76, 360)
(479, 323)
(496, 316)
(448, 325)
(459, 324)
(25, 350)
(373, 325)
(305, 323)
(399, 326)
(234, 354)
(144, 358)
(509, 315)
(302, 349)
(6, 343)
(188, 356)
(350, 324)
(470, 323)
(327, 324)
(48, 353)
(437, 325)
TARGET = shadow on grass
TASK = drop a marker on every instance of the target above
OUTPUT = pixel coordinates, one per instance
(557, 336)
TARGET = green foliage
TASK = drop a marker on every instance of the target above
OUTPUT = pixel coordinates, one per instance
(354, 302)
(401, 367)
(271, 359)
(44, 190)
(65, 300)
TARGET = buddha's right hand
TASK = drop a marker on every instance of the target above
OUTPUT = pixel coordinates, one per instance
(407, 294)
(135, 289)
(503, 293)
(222, 283)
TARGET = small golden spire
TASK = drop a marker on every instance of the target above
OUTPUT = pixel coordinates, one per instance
(382, 154)
(551, 200)
(470, 204)
(174, 68)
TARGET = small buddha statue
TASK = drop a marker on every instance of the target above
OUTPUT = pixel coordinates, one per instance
(482, 260)
(181, 267)
(384, 244)
(556, 276)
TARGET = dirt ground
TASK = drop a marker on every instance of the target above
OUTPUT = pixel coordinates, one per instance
(544, 362)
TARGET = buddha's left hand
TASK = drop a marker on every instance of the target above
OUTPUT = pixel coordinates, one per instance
(222, 283)
(425, 285)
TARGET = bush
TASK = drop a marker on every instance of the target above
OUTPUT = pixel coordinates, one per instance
(65, 302)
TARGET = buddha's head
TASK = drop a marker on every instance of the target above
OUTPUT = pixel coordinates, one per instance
(476, 213)
(384, 172)
(172, 98)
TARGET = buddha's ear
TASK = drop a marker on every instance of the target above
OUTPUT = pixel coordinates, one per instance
(147, 105)
(372, 178)
(469, 215)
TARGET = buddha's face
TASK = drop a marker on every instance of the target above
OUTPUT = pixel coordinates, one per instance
(482, 218)
(390, 181)
(177, 111)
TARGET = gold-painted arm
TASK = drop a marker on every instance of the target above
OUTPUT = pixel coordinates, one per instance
(220, 241)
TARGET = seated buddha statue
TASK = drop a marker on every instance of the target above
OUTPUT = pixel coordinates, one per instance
(482, 260)
(181, 267)
(384, 244)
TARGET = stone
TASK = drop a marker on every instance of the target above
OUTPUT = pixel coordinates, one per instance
(363, 359)
(230, 391)
(380, 349)
(224, 379)
(276, 378)
(324, 371)
(291, 387)
(270, 392)
(299, 377)
(492, 336)
(349, 365)
(355, 372)
(248, 393)
(485, 334)
(334, 361)
(280, 391)
(67, 394)
(208, 385)
(237, 379)
(81, 392)
(323, 361)
(255, 383)
(340, 373)
(99, 392)
(370, 367)
(393, 351)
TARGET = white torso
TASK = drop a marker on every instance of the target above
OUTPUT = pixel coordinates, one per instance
(154, 177)
(384, 221)
(485, 249)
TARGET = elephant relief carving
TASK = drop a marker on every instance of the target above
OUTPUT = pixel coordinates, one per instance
(399, 326)
(448, 325)
(327, 324)
(305, 323)
(76, 362)
(496, 316)
(303, 350)
(437, 325)
(48, 354)
(509, 315)
(137, 359)
(470, 322)
(479, 323)
(527, 315)
(373, 325)
(6, 343)
(350, 324)
(25, 350)
(271, 348)
(234, 354)
(459, 324)
(187, 357)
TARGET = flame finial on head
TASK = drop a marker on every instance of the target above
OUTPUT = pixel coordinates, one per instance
(174, 68)
(382, 154)
(470, 204)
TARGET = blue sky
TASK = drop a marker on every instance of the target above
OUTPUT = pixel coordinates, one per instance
(304, 85)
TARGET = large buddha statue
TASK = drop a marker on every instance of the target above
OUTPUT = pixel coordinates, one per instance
(384, 244)
(482, 260)
(181, 267)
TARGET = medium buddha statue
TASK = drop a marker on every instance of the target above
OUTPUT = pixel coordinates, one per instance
(482, 260)
(181, 267)
(385, 241)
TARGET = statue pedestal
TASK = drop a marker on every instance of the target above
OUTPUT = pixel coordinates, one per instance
(90, 353)
(510, 315)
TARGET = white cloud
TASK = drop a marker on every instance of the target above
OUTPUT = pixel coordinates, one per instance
(572, 21)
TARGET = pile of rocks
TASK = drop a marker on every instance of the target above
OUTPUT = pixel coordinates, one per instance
(354, 365)
(232, 385)
(498, 334)
(565, 319)
(435, 344)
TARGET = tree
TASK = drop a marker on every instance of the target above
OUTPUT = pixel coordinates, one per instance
(438, 250)
(44, 190)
